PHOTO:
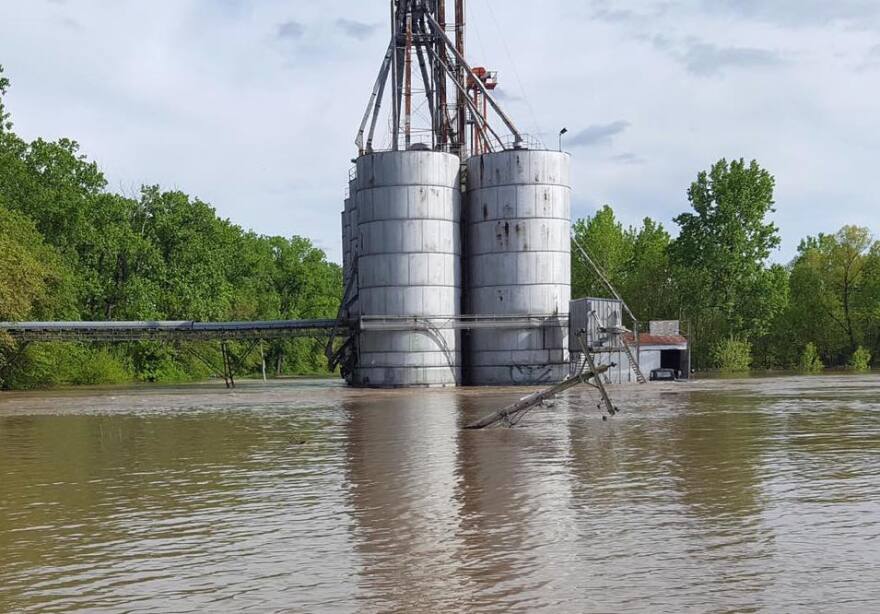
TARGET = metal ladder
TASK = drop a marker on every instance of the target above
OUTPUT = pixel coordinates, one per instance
(344, 356)
(633, 363)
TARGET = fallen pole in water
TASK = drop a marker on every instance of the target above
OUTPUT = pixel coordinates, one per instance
(512, 412)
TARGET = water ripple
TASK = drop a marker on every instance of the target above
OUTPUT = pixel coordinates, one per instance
(735, 495)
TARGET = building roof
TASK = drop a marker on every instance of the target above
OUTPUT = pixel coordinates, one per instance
(648, 339)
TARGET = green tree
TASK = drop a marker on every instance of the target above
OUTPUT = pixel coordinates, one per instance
(308, 287)
(810, 362)
(5, 124)
(835, 293)
(634, 260)
(608, 244)
(70, 249)
(860, 360)
(33, 281)
(719, 256)
(732, 355)
(648, 286)
(869, 300)
(197, 249)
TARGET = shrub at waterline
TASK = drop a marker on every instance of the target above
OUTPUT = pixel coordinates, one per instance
(861, 360)
(810, 361)
(732, 355)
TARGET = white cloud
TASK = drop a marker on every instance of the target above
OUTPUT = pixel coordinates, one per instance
(357, 29)
(597, 133)
(291, 29)
(204, 96)
(706, 59)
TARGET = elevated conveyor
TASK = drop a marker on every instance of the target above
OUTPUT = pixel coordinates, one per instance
(171, 330)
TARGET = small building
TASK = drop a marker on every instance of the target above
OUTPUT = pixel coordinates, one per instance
(609, 340)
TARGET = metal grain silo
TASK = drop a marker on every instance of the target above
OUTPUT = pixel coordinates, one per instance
(407, 211)
(518, 216)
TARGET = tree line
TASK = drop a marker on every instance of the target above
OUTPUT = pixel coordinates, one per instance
(70, 249)
(822, 309)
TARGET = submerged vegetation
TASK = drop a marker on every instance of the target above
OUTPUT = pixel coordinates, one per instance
(809, 361)
(732, 355)
(861, 360)
(70, 250)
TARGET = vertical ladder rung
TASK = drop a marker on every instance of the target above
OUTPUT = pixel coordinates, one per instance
(633, 363)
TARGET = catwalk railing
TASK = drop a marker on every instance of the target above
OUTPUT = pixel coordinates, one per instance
(251, 333)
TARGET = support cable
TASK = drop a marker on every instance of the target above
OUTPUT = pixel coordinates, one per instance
(463, 62)
(602, 276)
(470, 103)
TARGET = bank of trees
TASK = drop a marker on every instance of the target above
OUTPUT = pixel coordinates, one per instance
(71, 249)
(822, 308)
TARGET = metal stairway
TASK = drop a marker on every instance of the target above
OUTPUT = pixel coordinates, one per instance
(345, 356)
(619, 333)
(633, 363)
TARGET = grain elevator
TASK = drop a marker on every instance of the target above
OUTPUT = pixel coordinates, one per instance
(455, 226)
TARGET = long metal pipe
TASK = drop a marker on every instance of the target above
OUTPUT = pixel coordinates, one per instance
(442, 108)
(442, 125)
(423, 67)
(376, 110)
(476, 112)
(395, 110)
(461, 77)
(375, 97)
(426, 76)
(407, 87)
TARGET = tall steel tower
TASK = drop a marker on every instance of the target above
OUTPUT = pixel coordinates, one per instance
(457, 99)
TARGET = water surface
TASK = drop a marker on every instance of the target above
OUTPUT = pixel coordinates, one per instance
(736, 495)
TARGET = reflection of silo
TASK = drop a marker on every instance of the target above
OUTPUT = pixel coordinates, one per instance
(407, 211)
(395, 489)
(518, 217)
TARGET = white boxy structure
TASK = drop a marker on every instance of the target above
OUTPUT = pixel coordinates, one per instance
(661, 347)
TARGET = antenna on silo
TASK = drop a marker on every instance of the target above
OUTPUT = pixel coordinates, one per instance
(419, 31)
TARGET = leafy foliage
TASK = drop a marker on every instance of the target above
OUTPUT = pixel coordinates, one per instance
(720, 254)
(634, 260)
(732, 355)
(715, 276)
(4, 116)
(860, 360)
(69, 249)
(33, 280)
(810, 361)
(835, 293)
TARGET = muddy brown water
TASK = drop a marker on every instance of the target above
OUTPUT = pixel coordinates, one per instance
(736, 495)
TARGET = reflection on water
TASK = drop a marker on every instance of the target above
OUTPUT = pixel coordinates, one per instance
(736, 495)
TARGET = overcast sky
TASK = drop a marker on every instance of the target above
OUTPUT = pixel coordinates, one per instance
(253, 105)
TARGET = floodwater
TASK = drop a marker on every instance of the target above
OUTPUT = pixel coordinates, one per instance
(733, 495)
